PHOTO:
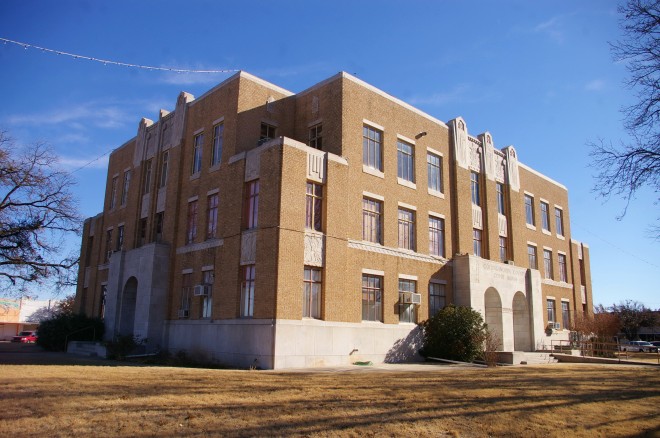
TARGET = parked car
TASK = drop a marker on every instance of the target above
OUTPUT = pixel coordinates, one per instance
(642, 346)
(656, 343)
(29, 337)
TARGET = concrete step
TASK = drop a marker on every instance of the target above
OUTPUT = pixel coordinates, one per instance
(538, 358)
(85, 348)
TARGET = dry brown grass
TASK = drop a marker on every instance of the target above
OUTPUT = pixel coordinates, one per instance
(547, 401)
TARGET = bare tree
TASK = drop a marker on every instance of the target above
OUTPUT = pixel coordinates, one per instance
(626, 167)
(632, 316)
(37, 212)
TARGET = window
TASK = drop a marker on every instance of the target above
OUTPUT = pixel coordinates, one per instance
(316, 136)
(158, 228)
(113, 193)
(547, 263)
(251, 208)
(551, 310)
(191, 230)
(104, 292)
(372, 147)
(531, 254)
(124, 191)
(372, 298)
(108, 245)
(142, 237)
(562, 268)
(559, 221)
(313, 207)
(207, 300)
(120, 238)
(501, 209)
(405, 161)
(216, 153)
(163, 169)
(407, 311)
(372, 217)
(247, 291)
(565, 315)
(186, 293)
(198, 142)
(504, 254)
(474, 188)
(545, 216)
(212, 217)
(436, 298)
(88, 252)
(406, 229)
(434, 170)
(529, 209)
(477, 242)
(436, 236)
(267, 132)
(147, 177)
(312, 293)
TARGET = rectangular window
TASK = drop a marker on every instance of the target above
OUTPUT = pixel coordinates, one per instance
(124, 191)
(531, 255)
(113, 193)
(372, 298)
(436, 236)
(477, 244)
(147, 177)
(529, 209)
(562, 268)
(372, 220)
(212, 217)
(474, 188)
(186, 293)
(158, 228)
(267, 132)
(437, 298)
(247, 291)
(501, 205)
(372, 147)
(191, 230)
(312, 293)
(198, 143)
(163, 169)
(108, 245)
(545, 216)
(88, 252)
(407, 310)
(405, 161)
(434, 170)
(216, 153)
(251, 208)
(547, 263)
(142, 237)
(565, 315)
(551, 310)
(313, 207)
(504, 254)
(104, 292)
(316, 137)
(406, 229)
(559, 221)
(207, 300)
(120, 238)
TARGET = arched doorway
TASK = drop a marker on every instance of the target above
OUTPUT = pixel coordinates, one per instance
(521, 328)
(127, 310)
(493, 304)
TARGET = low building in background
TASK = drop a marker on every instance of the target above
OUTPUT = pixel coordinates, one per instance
(258, 227)
(17, 315)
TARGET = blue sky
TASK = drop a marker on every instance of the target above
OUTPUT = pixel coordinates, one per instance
(537, 75)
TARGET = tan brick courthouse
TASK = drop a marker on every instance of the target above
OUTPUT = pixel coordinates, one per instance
(255, 226)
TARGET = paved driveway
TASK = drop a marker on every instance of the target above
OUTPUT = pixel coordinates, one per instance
(31, 354)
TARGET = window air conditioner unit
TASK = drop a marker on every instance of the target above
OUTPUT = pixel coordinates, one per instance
(411, 298)
(551, 326)
(509, 262)
(183, 313)
(557, 326)
(416, 298)
(201, 290)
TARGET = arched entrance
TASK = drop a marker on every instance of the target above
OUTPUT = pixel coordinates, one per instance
(521, 328)
(127, 310)
(493, 304)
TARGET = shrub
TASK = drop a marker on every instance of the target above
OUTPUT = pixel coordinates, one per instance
(121, 346)
(455, 333)
(54, 333)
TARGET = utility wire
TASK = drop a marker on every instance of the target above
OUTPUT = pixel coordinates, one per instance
(107, 61)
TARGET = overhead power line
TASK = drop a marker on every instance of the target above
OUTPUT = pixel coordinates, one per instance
(119, 63)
